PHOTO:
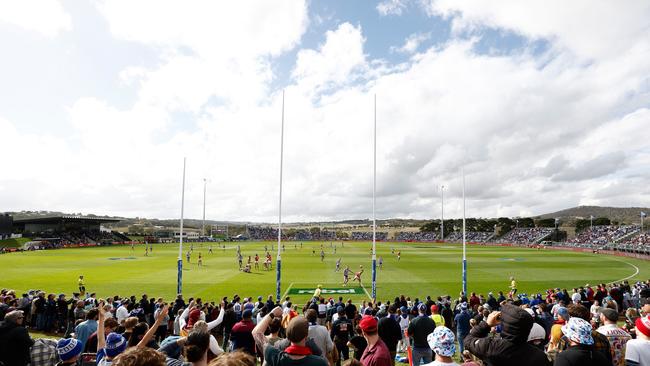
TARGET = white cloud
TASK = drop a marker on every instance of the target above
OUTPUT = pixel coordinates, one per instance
(590, 29)
(391, 7)
(535, 132)
(335, 61)
(411, 43)
(46, 17)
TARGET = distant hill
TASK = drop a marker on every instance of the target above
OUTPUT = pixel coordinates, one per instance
(622, 215)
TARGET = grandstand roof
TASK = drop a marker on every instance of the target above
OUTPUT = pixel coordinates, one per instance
(60, 218)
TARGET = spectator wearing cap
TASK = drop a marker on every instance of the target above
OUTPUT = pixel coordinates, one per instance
(419, 328)
(581, 346)
(435, 315)
(69, 350)
(341, 333)
(443, 344)
(14, 339)
(462, 324)
(637, 351)
(242, 333)
(297, 354)
(403, 321)
(616, 336)
(512, 347)
(376, 353)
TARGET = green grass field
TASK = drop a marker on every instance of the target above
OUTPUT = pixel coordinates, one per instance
(424, 269)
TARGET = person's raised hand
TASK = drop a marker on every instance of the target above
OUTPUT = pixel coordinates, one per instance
(163, 313)
(494, 318)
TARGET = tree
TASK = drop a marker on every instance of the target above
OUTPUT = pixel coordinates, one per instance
(526, 222)
(546, 223)
(505, 224)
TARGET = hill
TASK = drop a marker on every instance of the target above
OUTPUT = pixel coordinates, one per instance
(622, 215)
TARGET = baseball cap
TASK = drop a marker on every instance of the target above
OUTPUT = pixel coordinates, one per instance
(368, 324)
(339, 309)
(610, 314)
(247, 313)
(434, 308)
(463, 306)
(422, 308)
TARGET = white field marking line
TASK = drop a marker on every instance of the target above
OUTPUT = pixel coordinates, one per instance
(286, 291)
(628, 277)
(367, 293)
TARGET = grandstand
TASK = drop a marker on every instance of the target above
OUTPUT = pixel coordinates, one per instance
(471, 236)
(532, 235)
(605, 234)
(68, 230)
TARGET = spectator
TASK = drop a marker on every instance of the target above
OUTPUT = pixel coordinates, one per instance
(637, 351)
(376, 353)
(443, 344)
(122, 312)
(319, 334)
(511, 348)
(110, 325)
(140, 357)
(341, 333)
(600, 342)
(196, 348)
(297, 353)
(241, 335)
(69, 350)
(581, 350)
(617, 337)
(390, 331)
(462, 324)
(419, 328)
(14, 340)
(234, 359)
(85, 329)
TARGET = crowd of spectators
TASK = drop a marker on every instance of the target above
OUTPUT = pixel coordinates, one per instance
(416, 236)
(367, 235)
(269, 233)
(526, 235)
(604, 234)
(576, 327)
(471, 236)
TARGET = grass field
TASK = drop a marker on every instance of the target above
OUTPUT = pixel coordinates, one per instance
(424, 269)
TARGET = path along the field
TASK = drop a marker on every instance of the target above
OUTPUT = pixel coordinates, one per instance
(424, 269)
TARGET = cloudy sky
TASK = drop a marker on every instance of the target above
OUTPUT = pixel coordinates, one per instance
(545, 104)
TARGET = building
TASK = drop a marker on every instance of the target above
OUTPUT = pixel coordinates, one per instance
(6, 226)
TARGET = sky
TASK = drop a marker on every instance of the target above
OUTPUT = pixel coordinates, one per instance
(543, 105)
